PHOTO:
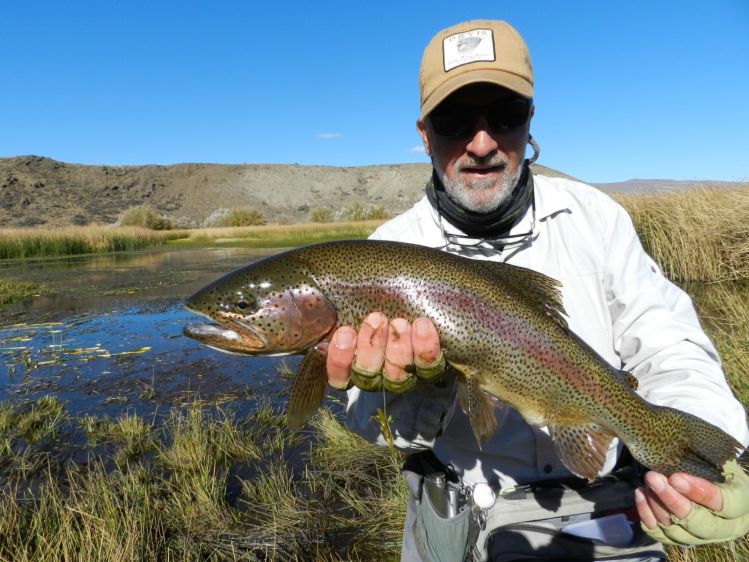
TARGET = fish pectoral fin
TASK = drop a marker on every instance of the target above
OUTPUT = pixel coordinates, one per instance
(582, 448)
(478, 406)
(307, 390)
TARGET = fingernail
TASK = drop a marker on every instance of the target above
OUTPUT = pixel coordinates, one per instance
(657, 483)
(345, 339)
(639, 495)
(421, 327)
(680, 483)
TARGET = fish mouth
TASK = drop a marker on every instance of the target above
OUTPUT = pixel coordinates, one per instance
(244, 342)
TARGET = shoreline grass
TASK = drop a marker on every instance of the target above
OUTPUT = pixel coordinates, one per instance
(23, 243)
(273, 235)
(20, 243)
(695, 235)
(181, 498)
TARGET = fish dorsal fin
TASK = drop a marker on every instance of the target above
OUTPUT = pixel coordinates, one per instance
(582, 448)
(477, 405)
(307, 390)
(537, 288)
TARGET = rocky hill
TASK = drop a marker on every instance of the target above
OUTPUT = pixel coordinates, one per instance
(40, 191)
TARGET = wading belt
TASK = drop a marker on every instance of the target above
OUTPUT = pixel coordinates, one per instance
(556, 520)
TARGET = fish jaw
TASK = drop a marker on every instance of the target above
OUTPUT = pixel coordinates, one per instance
(224, 339)
(259, 312)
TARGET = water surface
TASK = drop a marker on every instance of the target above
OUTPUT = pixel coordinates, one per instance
(106, 337)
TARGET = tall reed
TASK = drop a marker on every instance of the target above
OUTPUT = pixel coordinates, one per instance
(695, 235)
(19, 243)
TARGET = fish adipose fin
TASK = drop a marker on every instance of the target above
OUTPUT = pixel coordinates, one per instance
(629, 379)
(534, 286)
(582, 448)
(477, 405)
(307, 390)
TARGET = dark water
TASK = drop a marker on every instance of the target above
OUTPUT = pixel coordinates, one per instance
(107, 336)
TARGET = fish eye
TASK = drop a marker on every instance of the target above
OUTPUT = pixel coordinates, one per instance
(242, 305)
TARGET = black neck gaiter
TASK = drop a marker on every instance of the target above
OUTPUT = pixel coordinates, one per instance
(493, 225)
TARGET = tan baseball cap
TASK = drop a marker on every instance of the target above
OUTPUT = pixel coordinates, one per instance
(474, 51)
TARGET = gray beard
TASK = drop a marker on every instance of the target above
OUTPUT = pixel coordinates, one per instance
(473, 197)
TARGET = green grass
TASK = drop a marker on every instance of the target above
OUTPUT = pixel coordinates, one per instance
(169, 500)
(145, 216)
(274, 236)
(242, 217)
(12, 290)
(21, 243)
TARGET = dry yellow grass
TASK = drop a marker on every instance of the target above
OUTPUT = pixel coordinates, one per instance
(695, 235)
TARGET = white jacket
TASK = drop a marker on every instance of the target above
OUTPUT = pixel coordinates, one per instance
(616, 299)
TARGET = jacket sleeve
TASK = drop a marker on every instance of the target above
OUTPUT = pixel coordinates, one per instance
(658, 336)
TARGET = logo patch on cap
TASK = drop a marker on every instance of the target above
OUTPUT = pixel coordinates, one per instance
(476, 45)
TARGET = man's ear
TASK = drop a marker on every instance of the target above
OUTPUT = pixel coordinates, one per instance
(421, 128)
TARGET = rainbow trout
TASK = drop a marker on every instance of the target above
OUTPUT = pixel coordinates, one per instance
(502, 329)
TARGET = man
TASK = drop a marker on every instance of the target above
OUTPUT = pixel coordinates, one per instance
(476, 87)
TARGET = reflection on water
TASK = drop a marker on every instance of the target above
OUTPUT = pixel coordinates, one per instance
(83, 283)
(108, 337)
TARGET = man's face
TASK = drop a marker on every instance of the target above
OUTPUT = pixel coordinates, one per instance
(482, 163)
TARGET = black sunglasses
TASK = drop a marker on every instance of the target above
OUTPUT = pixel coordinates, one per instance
(457, 121)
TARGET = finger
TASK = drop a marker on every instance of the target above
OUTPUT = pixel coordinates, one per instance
(370, 344)
(340, 356)
(662, 515)
(668, 497)
(425, 341)
(697, 490)
(647, 517)
(398, 352)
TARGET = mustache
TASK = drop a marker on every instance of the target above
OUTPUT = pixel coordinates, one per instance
(491, 161)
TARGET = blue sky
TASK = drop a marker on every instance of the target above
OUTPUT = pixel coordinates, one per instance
(624, 89)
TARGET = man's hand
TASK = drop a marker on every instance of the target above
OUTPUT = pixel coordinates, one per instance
(382, 349)
(688, 510)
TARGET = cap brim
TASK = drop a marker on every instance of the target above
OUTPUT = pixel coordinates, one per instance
(504, 79)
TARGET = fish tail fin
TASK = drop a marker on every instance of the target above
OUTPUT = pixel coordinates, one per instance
(692, 445)
(307, 390)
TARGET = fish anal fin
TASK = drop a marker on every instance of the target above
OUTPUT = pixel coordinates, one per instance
(582, 448)
(308, 389)
(478, 406)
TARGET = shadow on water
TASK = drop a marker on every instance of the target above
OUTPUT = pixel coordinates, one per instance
(105, 337)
